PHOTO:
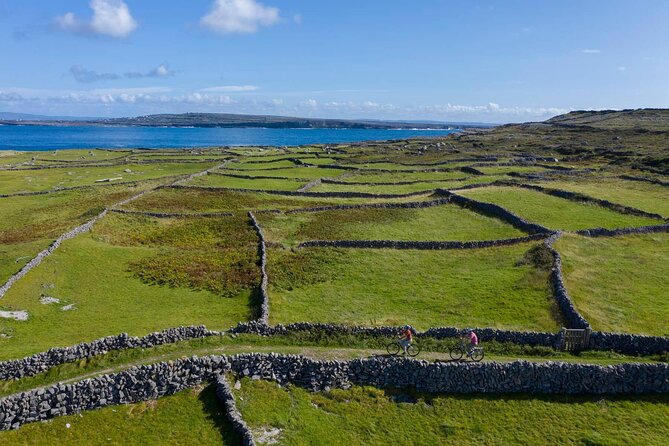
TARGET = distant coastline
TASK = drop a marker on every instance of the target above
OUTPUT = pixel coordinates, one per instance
(224, 120)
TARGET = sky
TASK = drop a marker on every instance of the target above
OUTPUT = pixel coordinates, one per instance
(455, 61)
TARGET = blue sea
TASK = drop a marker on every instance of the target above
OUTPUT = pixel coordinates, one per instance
(76, 137)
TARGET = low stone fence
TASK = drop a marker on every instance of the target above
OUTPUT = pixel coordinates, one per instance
(602, 232)
(572, 317)
(530, 338)
(388, 183)
(575, 196)
(257, 177)
(262, 252)
(153, 381)
(629, 343)
(41, 362)
(291, 193)
(224, 393)
(469, 169)
(342, 207)
(310, 184)
(422, 245)
(645, 180)
(39, 258)
(496, 211)
(173, 214)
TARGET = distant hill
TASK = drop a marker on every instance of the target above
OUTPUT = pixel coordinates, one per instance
(655, 119)
(236, 120)
(9, 116)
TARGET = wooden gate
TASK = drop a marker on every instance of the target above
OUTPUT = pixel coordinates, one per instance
(575, 339)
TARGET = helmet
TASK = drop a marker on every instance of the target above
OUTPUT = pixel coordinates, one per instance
(406, 327)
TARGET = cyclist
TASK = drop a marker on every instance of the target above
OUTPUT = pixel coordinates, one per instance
(473, 341)
(406, 337)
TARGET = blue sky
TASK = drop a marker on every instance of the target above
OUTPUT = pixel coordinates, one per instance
(440, 60)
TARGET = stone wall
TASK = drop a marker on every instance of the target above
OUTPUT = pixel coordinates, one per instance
(388, 183)
(172, 215)
(629, 343)
(224, 393)
(39, 258)
(257, 177)
(602, 232)
(469, 169)
(341, 207)
(496, 211)
(645, 180)
(310, 184)
(41, 362)
(262, 252)
(153, 381)
(290, 193)
(572, 317)
(424, 245)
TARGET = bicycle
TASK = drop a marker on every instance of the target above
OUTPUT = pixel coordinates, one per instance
(395, 347)
(476, 354)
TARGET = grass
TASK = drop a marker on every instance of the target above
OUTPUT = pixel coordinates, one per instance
(380, 189)
(645, 196)
(246, 183)
(619, 284)
(497, 170)
(306, 173)
(193, 416)
(194, 200)
(446, 222)
(46, 179)
(373, 417)
(487, 287)
(260, 166)
(554, 212)
(94, 271)
(29, 224)
(386, 177)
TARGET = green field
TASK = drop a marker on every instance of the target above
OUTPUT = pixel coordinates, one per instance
(387, 177)
(304, 173)
(345, 417)
(193, 416)
(554, 212)
(260, 166)
(645, 196)
(136, 275)
(619, 284)
(247, 183)
(484, 287)
(45, 179)
(446, 222)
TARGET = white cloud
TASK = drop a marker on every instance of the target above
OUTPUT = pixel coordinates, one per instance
(590, 51)
(84, 75)
(110, 18)
(232, 88)
(239, 16)
(313, 103)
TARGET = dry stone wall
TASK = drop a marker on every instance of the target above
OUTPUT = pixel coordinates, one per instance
(421, 245)
(42, 362)
(602, 232)
(494, 210)
(173, 214)
(153, 381)
(572, 317)
(301, 194)
(224, 393)
(262, 252)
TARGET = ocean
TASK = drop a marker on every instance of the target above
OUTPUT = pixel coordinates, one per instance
(84, 137)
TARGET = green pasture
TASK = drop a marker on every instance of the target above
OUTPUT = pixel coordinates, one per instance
(367, 415)
(445, 222)
(554, 212)
(500, 287)
(619, 284)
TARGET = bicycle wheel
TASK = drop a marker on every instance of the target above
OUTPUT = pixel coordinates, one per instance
(456, 353)
(477, 355)
(413, 350)
(393, 349)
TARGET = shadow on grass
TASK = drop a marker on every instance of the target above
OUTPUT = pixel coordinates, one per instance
(215, 411)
